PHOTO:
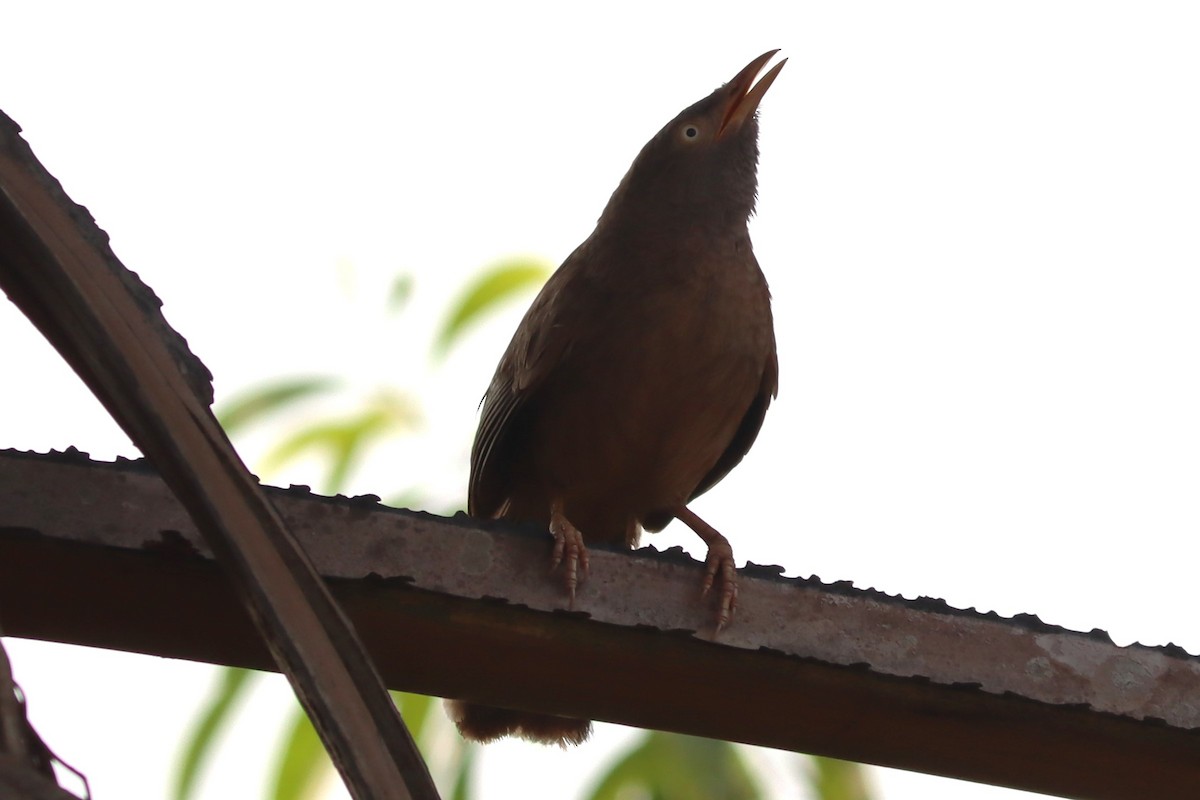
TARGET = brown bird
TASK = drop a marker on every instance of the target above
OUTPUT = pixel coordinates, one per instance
(641, 374)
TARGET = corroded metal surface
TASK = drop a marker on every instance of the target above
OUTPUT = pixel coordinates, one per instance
(830, 669)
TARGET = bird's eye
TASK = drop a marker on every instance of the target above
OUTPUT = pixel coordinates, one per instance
(690, 132)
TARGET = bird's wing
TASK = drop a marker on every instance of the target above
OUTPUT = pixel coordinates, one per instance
(541, 341)
(747, 432)
(487, 490)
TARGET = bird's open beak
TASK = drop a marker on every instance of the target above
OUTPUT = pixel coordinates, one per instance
(742, 99)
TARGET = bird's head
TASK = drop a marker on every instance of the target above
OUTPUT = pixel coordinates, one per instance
(701, 168)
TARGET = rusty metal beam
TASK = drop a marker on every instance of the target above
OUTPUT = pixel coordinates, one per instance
(103, 555)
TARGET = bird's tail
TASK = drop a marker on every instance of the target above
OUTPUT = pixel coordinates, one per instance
(485, 723)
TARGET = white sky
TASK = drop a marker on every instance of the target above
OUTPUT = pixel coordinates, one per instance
(978, 220)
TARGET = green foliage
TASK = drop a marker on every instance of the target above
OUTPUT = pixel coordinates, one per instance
(343, 442)
(415, 498)
(304, 766)
(231, 687)
(497, 283)
(302, 761)
(667, 766)
(464, 773)
(273, 398)
(833, 779)
(398, 295)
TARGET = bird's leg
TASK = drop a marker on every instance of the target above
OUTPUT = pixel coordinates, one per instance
(719, 568)
(569, 549)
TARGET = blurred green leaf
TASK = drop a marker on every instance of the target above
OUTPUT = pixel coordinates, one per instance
(399, 294)
(667, 766)
(410, 499)
(464, 771)
(456, 755)
(200, 743)
(344, 441)
(832, 779)
(302, 761)
(415, 710)
(252, 405)
(304, 765)
(492, 287)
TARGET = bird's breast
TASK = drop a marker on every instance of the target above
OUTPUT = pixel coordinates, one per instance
(651, 394)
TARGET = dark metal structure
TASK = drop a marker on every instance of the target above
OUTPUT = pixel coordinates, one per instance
(103, 555)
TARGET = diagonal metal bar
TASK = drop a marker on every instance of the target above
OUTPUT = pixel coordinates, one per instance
(55, 265)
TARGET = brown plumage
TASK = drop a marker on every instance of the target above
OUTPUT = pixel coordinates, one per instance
(642, 372)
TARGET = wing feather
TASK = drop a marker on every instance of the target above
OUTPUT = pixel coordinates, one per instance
(531, 356)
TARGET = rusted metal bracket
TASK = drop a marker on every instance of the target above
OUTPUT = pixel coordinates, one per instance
(103, 555)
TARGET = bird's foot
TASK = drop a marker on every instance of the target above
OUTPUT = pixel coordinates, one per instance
(720, 572)
(569, 550)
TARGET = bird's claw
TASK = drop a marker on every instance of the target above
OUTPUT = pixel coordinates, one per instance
(720, 571)
(569, 551)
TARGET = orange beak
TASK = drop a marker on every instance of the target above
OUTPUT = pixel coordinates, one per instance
(743, 100)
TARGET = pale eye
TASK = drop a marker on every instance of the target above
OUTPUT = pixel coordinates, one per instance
(690, 132)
